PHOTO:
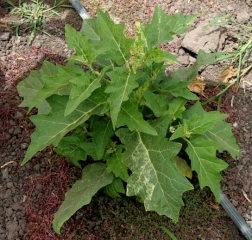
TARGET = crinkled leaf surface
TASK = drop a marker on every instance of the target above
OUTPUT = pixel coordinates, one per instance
(94, 177)
(123, 82)
(202, 154)
(222, 134)
(50, 129)
(116, 165)
(102, 132)
(133, 119)
(155, 178)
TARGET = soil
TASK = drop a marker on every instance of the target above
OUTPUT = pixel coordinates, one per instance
(30, 195)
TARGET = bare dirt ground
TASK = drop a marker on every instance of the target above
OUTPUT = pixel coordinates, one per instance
(30, 195)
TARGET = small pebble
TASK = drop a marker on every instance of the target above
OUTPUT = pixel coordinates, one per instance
(23, 146)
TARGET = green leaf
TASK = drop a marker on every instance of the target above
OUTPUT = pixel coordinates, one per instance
(114, 188)
(183, 167)
(123, 82)
(57, 82)
(112, 37)
(178, 89)
(176, 108)
(83, 87)
(90, 29)
(176, 83)
(222, 134)
(29, 88)
(72, 148)
(161, 124)
(50, 129)
(188, 74)
(116, 165)
(157, 103)
(198, 124)
(195, 109)
(164, 26)
(131, 117)
(94, 177)
(158, 55)
(203, 158)
(84, 51)
(155, 178)
(102, 132)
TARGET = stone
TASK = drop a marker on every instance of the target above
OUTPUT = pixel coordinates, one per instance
(184, 60)
(5, 173)
(8, 212)
(16, 206)
(12, 229)
(4, 36)
(17, 131)
(9, 185)
(230, 8)
(7, 194)
(249, 223)
(204, 38)
(23, 146)
(242, 17)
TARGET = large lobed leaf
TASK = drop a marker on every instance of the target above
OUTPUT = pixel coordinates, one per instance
(222, 134)
(198, 124)
(155, 178)
(94, 177)
(164, 26)
(50, 129)
(203, 158)
(84, 51)
(29, 88)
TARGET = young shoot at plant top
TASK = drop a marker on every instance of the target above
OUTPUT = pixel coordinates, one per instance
(128, 116)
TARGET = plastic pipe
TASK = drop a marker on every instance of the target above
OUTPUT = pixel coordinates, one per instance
(225, 203)
(80, 9)
(236, 217)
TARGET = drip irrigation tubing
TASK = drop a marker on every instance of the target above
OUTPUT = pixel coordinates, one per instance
(225, 203)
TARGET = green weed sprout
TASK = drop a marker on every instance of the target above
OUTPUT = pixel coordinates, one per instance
(33, 14)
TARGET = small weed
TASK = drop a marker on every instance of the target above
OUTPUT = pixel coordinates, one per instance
(33, 14)
(169, 233)
(241, 53)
